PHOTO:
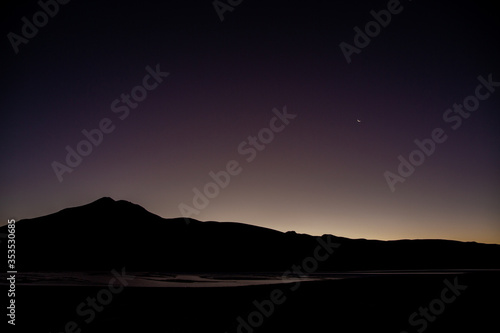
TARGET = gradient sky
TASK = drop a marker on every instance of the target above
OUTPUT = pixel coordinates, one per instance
(324, 173)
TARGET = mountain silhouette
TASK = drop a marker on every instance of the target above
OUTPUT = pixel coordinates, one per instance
(107, 234)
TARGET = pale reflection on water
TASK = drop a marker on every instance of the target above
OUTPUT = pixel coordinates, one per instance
(159, 279)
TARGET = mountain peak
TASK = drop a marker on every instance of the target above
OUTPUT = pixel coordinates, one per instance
(104, 200)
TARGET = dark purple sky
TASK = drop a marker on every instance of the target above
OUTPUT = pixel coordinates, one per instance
(323, 172)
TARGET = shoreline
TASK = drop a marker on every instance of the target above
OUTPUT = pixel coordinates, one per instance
(345, 305)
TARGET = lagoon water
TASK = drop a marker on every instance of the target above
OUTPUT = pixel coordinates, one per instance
(190, 280)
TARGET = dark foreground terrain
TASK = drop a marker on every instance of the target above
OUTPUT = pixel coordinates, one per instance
(370, 303)
(55, 296)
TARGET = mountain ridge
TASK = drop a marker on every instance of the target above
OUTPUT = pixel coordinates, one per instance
(106, 234)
